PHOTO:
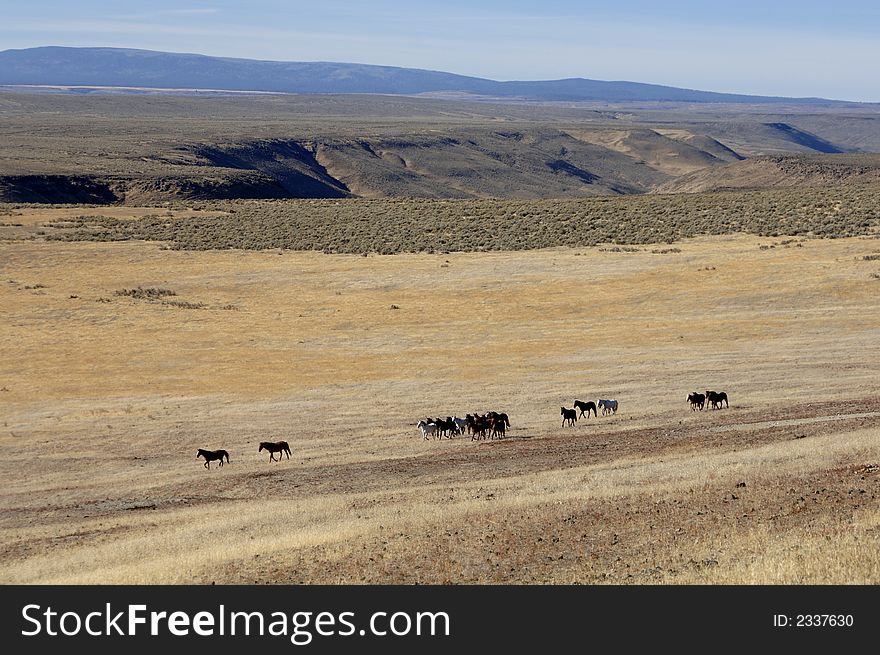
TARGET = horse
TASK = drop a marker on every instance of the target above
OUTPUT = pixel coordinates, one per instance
(452, 426)
(211, 455)
(460, 424)
(445, 426)
(569, 415)
(586, 407)
(479, 426)
(498, 428)
(696, 400)
(427, 427)
(715, 398)
(499, 417)
(608, 406)
(275, 447)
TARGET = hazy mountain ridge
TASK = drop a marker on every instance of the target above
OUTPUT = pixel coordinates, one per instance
(121, 67)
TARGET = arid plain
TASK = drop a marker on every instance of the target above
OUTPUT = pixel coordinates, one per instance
(105, 399)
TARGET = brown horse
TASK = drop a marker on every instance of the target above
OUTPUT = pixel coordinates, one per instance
(499, 417)
(211, 455)
(275, 447)
(479, 426)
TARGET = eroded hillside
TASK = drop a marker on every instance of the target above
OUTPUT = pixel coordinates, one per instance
(136, 150)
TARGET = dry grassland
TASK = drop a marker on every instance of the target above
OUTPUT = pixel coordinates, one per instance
(105, 399)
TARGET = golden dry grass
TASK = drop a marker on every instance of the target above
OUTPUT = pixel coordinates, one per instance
(106, 399)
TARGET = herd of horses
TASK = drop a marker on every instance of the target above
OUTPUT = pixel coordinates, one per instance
(480, 426)
(219, 455)
(491, 425)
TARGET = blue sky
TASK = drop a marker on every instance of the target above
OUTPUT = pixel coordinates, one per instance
(807, 48)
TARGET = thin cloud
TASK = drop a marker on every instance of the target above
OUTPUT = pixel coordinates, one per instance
(188, 12)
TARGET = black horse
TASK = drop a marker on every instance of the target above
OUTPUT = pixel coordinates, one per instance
(569, 415)
(275, 447)
(586, 407)
(211, 455)
(715, 398)
(444, 427)
(697, 400)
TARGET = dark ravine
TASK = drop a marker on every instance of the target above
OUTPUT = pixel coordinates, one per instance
(291, 165)
(120, 189)
(806, 139)
(72, 189)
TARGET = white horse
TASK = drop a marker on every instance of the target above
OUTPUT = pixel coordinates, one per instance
(460, 424)
(427, 428)
(608, 406)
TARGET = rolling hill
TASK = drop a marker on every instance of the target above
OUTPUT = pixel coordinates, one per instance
(790, 171)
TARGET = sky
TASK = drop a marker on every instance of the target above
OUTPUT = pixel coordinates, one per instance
(805, 48)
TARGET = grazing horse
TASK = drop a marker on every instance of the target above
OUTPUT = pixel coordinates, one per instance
(715, 398)
(608, 406)
(586, 407)
(697, 400)
(569, 415)
(275, 447)
(211, 455)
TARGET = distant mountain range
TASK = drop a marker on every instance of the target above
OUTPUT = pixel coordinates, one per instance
(122, 67)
